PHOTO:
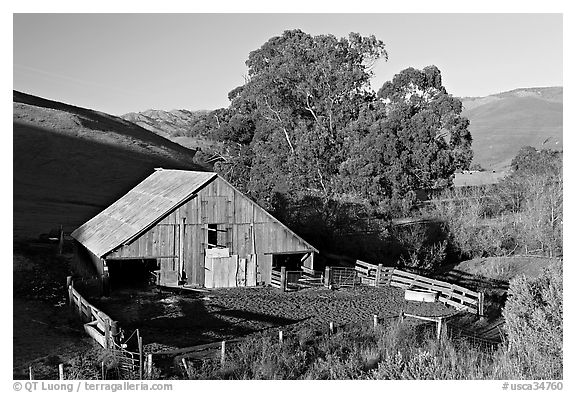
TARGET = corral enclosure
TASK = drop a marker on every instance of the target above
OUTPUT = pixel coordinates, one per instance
(201, 230)
(169, 321)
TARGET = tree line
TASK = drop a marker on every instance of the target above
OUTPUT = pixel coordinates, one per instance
(307, 124)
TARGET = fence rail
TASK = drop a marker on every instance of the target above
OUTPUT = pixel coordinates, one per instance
(104, 330)
(276, 279)
(451, 294)
(293, 280)
(97, 324)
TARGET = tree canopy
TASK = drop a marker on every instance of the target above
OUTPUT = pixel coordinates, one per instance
(412, 138)
(307, 122)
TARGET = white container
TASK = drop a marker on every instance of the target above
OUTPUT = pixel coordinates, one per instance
(420, 296)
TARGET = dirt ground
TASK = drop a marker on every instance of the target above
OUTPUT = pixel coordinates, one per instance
(169, 320)
(45, 333)
(44, 337)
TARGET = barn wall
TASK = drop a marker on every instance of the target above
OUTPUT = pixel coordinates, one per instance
(250, 230)
(86, 263)
(159, 241)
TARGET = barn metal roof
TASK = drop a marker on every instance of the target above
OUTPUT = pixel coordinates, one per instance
(139, 209)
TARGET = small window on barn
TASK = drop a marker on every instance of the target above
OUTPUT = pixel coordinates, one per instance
(217, 236)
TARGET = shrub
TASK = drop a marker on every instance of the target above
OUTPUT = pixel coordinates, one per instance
(533, 314)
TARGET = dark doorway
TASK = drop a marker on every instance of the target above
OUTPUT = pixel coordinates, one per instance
(289, 261)
(131, 273)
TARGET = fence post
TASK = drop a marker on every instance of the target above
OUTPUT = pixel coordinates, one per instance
(103, 372)
(481, 304)
(31, 373)
(378, 273)
(141, 355)
(61, 241)
(390, 274)
(113, 331)
(149, 366)
(185, 365)
(283, 278)
(107, 334)
(375, 321)
(69, 286)
(105, 282)
(223, 352)
(61, 371)
(439, 329)
(331, 327)
(327, 277)
(280, 337)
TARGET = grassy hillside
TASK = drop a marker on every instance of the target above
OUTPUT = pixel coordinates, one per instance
(71, 162)
(173, 123)
(502, 123)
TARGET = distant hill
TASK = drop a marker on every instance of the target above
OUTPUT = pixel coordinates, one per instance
(502, 123)
(166, 123)
(71, 162)
(178, 125)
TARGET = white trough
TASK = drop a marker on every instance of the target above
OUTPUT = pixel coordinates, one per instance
(420, 296)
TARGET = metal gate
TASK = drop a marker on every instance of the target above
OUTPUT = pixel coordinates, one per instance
(343, 277)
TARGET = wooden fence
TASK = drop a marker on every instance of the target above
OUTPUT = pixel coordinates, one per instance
(105, 331)
(98, 325)
(377, 275)
(276, 279)
(293, 280)
(451, 294)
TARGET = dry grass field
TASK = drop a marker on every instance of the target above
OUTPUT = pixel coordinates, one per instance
(502, 123)
(70, 163)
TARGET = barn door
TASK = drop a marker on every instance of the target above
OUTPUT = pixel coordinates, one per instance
(166, 239)
(221, 272)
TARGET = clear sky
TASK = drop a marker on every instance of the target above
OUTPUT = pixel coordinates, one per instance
(119, 63)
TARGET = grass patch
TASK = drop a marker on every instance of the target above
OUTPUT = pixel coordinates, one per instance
(361, 352)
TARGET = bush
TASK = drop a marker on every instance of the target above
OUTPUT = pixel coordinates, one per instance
(524, 213)
(533, 314)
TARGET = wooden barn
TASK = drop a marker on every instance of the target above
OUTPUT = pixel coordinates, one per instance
(189, 229)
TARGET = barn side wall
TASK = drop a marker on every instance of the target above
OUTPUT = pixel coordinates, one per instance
(89, 266)
(85, 263)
